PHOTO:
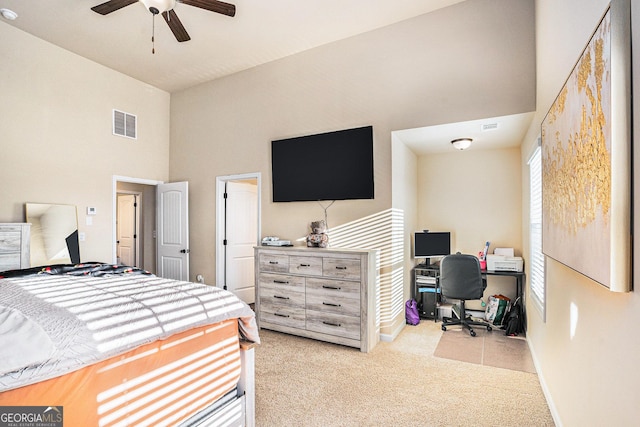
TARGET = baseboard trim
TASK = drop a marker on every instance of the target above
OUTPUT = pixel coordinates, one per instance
(543, 384)
(394, 334)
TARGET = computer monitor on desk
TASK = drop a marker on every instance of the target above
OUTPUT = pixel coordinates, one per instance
(429, 245)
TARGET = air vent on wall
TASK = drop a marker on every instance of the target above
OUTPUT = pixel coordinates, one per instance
(124, 124)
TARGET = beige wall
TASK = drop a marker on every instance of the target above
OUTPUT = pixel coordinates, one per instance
(56, 140)
(587, 351)
(476, 195)
(411, 74)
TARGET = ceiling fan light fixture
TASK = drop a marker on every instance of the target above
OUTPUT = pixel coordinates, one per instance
(461, 143)
(158, 5)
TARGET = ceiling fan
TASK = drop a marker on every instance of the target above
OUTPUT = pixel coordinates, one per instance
(165, 7)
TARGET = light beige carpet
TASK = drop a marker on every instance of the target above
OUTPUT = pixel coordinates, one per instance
(486, 348)
(303, 382)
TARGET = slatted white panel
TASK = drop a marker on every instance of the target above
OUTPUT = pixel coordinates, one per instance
(535, 231)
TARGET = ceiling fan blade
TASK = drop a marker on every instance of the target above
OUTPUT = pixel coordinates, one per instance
(212, 5)
(176, 26)
(111, 6)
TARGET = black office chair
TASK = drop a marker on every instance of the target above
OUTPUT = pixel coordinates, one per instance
(461, 279)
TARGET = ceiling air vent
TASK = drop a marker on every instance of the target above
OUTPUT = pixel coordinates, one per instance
(489, 126)
(124, 124)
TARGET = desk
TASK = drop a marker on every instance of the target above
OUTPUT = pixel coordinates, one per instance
(518, 275)
(428, 309)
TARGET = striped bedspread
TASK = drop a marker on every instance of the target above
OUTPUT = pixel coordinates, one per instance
(55, 324)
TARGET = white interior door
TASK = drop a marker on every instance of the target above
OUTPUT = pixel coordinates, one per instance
(241, 232)
(173, 230)
(126, 229)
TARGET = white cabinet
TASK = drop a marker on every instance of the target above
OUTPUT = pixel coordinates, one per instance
(325, 294)
(14, 246)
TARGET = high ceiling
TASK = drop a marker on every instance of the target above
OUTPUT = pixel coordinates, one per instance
(261, 31)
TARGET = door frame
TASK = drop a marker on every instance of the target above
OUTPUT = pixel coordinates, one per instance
(116, 179)
(137, 220)
(221, 220)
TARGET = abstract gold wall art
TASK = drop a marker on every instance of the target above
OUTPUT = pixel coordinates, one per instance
(586, 159)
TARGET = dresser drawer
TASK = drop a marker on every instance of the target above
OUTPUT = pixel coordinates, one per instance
(333, 324)
(310, 266)
(282, 289)
(9, 261)
(334, 296)
(282, 281)
(274, 262)
(341, 268)
(10, 241)
(293, 317)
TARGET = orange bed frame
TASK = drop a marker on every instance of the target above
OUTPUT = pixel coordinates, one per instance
(160, 383)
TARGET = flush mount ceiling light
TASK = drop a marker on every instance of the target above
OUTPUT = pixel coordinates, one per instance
(8, 14)
(462, 143)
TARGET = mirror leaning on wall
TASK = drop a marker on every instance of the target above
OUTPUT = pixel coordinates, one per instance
(54, 233)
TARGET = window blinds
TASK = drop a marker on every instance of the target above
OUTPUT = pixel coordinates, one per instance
(535, 232)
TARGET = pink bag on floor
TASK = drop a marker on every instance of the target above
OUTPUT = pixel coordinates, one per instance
(411, 312)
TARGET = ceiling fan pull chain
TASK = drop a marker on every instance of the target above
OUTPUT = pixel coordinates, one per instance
(153, 33)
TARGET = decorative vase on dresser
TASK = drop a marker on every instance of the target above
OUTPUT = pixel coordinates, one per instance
(325, 294)
(14, 246)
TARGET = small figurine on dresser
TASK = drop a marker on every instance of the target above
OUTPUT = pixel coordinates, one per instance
(318, 238)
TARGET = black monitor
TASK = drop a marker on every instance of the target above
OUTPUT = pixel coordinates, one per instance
(431, 244)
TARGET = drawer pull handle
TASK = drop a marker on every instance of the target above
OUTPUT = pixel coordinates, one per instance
(331, 323)
(273, 262)
(280, 315)
(305, 265)
(331, 304)
(340, 267)
(335, 288)
(283, 282)
(279, 297)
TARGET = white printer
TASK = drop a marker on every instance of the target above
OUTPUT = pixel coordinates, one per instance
(502, 259)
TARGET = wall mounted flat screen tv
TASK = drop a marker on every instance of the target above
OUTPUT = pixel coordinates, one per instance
(431, 244)
(329, 166)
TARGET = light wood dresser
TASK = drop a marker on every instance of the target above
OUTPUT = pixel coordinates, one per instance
(325, 294)
(14, 246)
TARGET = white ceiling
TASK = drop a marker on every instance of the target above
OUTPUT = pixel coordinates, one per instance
(261, 31)
(507, 131)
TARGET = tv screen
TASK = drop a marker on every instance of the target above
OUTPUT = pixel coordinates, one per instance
(329, 166)
(432, 244)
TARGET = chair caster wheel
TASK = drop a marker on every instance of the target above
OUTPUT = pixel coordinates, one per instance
(473, 333)
(489, 328)
(444, 328)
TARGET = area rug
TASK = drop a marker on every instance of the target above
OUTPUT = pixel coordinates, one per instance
(486, 348)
